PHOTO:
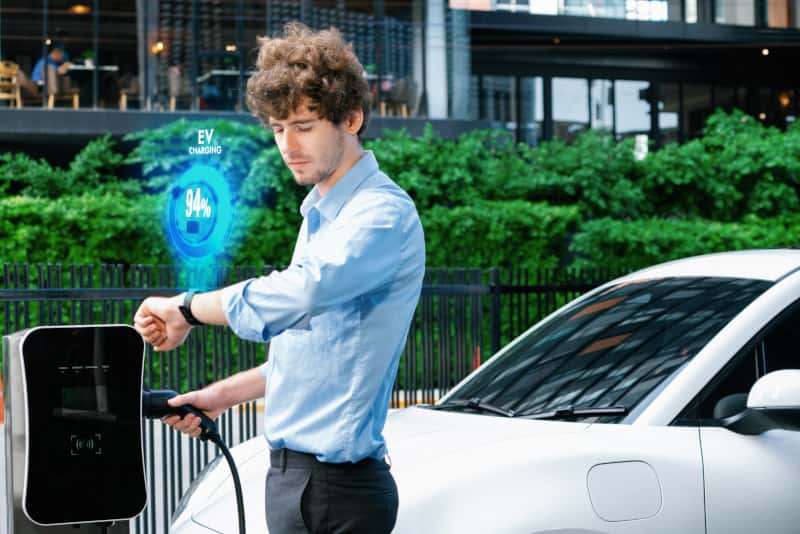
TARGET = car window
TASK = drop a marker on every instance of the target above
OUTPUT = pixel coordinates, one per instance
(773, 349)
(614, 348)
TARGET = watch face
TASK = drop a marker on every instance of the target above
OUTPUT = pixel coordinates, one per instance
(200, 213)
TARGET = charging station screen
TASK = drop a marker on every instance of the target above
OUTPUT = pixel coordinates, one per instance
(83, 393)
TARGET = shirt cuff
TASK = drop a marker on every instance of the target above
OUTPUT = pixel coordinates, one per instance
(241, 317)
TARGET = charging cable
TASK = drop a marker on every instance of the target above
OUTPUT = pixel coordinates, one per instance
(154, 406)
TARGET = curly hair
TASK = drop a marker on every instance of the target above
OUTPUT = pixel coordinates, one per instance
(302, 63)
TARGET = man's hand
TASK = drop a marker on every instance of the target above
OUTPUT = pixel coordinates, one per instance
(64, 67)
(160, 322)
(210, 400)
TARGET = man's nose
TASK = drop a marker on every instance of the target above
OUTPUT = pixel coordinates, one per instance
(289, 142)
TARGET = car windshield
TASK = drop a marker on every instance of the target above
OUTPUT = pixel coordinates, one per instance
(614, 348)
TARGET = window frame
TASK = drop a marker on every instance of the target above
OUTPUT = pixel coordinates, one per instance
(685, 417)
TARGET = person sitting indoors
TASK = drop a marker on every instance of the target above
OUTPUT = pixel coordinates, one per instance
(55, 57)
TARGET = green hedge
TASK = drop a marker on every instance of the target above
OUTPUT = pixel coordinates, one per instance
(484, 200)
(488, 233)
(90, 228)
(621, 245)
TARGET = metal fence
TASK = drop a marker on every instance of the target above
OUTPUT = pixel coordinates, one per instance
(463, 316)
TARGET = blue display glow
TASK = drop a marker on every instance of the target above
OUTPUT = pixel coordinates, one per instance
(199, 214)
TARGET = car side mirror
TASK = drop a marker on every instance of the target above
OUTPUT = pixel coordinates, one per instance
(773, 402)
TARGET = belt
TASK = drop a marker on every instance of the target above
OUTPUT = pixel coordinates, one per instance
(286, 458)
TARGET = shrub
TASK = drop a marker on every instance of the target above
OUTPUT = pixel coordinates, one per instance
(621, 245)
(106, 228)
(497, 233)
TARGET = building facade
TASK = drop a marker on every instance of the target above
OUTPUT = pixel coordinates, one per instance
(542, 69)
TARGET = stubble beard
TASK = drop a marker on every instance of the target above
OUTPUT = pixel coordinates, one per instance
(330, 165)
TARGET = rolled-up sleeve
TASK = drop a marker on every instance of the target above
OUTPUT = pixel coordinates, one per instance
(357, 254)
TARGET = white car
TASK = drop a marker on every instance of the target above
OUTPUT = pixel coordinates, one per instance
(662, 402)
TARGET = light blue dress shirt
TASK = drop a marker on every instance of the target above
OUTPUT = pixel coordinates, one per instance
(337, 318)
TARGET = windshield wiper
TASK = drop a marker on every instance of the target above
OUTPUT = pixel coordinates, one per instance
(570, 412)
(475, 403)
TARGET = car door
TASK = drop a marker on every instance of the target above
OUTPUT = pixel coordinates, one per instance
(751, 482)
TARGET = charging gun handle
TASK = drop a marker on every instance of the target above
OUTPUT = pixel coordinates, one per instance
(154, 406)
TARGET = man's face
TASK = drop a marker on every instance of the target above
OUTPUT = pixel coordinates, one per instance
(57, 54)
(311, 147)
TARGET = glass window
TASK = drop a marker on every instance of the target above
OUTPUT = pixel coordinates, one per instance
(675, 10)
(653, 10)
(737, 12)
(602, 8)
(668, 113)
(691, 11)
(632, 108)
(615, 347)
(570, 107)
(474, 98)
(696, 109)
(602, 104)
(498, 98)
(730, 97)
(532, 110)
(544, 7)
(788, 104)
(727, 395)
(512, 5)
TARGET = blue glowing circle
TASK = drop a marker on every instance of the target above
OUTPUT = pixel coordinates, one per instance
(199, 213)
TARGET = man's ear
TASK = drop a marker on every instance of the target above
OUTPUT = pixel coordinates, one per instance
(354, 121)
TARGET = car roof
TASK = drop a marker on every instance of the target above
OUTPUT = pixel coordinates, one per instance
(770, 264)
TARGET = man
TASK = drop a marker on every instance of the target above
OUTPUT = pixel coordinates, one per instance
(336, 319)
(54, 58)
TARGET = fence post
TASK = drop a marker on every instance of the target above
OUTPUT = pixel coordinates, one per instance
(494, 291)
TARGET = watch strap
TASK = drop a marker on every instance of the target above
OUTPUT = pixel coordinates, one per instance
(186, 309)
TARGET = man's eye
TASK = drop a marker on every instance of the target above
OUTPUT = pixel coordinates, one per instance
(303, 128)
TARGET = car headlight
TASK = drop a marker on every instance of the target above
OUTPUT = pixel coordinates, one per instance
(187, 496)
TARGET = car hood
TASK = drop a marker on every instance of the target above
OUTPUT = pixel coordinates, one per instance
(428, 450)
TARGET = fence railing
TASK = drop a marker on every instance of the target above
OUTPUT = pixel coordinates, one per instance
(463, 316)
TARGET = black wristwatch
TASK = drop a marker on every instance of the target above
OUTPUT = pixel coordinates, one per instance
(186, 309)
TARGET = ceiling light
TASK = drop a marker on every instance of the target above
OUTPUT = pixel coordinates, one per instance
(230, 48)
(762, 116)
(157, 47)
(80, 9)
(765, 51)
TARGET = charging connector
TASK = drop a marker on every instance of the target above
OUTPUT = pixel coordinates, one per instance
(155, 406)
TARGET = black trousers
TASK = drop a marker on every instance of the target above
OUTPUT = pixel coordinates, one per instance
(306, 495)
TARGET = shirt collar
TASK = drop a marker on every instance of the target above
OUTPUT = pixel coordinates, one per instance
(330, 205)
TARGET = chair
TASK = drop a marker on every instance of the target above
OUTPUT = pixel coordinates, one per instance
(175, 87)
(60, 88)
(400, 98)
(129, 92)
(9, 83)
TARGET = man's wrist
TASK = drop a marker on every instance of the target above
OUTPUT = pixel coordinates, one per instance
(185, 307)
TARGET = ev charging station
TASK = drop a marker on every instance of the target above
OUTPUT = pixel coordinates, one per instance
(73, 429)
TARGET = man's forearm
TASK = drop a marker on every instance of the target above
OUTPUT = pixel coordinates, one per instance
(242, 387)
(207, 308)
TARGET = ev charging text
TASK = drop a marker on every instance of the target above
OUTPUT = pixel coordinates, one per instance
(204, 145)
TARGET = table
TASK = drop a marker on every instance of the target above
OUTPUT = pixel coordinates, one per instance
(108, 68)
(83, 74)
(223, 73)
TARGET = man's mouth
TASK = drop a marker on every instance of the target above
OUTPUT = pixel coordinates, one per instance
(297, 163)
